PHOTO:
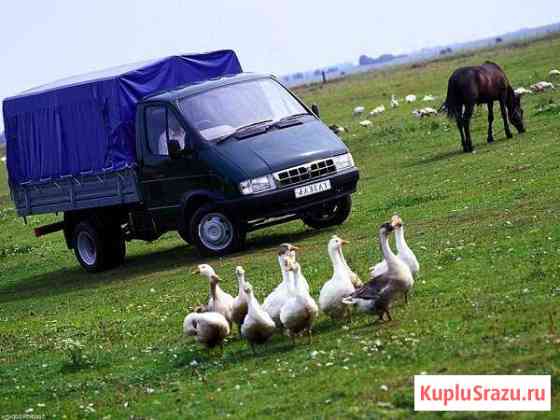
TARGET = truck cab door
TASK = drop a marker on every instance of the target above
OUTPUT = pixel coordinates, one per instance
(164, 178)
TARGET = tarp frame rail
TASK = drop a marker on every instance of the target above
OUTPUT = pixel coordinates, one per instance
(75, 193)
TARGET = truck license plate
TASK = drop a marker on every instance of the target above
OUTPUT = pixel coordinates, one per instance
(313, 189)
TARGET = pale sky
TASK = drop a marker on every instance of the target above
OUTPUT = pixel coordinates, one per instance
(41, 41)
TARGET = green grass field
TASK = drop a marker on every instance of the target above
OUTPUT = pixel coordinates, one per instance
(484, 226)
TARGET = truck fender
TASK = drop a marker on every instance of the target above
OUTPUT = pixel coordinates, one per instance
(191, 201)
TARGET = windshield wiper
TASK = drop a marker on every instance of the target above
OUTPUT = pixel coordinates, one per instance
(290, 120)
(239, 130)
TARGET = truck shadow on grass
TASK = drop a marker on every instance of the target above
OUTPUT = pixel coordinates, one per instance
(68, 280)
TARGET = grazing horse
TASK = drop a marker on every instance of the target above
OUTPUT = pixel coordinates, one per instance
(470, 86)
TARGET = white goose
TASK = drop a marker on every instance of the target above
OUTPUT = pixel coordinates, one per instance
(300, 310)
(376, 295)
(302, 279)
(218, 301)
(274, 301)
(356, 281)
(339, 286)
(209, 328)
(404, 253)
(257, 326)
(241, 301)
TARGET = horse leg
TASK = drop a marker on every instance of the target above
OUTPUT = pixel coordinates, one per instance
(469, 108)
(459, 119)
(505, 118)
(490, 121)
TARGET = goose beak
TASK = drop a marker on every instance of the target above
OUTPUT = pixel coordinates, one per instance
(216, 277)
(195, 271)
(294, 248)
(344, 242)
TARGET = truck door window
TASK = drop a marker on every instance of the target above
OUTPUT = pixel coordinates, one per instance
(162, 126)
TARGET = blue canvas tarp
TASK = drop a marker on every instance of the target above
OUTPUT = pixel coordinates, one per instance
(85, 125)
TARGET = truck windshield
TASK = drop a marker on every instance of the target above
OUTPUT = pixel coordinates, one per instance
(220, 112)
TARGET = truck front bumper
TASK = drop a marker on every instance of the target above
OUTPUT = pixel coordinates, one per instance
(282, 202)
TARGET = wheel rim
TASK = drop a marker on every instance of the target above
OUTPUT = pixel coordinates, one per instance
(215, 231)
(86, 248)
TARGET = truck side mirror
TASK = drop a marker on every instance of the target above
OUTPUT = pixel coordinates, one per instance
(174, 149)
(315, 110)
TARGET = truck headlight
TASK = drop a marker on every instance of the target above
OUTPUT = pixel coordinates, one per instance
(343, 161)
(257, 185)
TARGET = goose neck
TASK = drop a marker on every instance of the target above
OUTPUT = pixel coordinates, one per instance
(337, 258)
(388, 254)
(292, 283)
(214, 289)
(241, 284)
(399, 238)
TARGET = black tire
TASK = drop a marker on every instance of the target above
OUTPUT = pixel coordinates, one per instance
(116, 248)
(98, 250)
(214, 232)
(89, 247)
(332, 213)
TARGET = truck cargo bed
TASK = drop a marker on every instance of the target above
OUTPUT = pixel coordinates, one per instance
(76, 193)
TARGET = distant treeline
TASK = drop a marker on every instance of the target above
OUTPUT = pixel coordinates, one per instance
(364, 60)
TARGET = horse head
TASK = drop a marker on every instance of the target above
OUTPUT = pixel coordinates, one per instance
(515, 112)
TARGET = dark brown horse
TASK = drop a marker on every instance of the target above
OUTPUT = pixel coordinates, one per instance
(470, 86)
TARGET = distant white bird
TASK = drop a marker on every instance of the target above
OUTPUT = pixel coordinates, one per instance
(522, 91)
(3, 159)
(358, 110)
(394, 102)
(424, 112)
(429, 98)
(410, 98)
(554, 72)
(541, 86)
(377, 110)
(365, 123)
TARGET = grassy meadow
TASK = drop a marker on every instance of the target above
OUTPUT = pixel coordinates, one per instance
(485, 228)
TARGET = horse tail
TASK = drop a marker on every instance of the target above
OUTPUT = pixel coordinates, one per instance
(452, 105)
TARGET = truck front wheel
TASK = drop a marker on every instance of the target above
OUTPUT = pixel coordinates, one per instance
(329, 214)
(214, 232)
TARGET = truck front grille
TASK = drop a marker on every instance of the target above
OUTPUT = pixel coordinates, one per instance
(304, 172)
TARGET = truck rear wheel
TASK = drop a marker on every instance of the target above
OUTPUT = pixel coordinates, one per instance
(329, 214)
(116, 248)
(214, 232)
(96, 252)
